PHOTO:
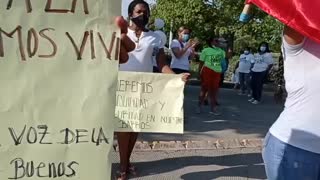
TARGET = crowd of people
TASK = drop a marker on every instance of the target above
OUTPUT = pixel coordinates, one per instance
(252, 71)
(285, 156)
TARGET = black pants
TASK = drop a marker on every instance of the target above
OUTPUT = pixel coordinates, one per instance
(257, 84)
(155, 69)
(179, 71)
(244, 79)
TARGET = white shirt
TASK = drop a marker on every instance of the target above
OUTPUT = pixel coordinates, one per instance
(262, 61)
(140, 59)
(245, 63)
(299, 123)
(182, 62)
(163, 42)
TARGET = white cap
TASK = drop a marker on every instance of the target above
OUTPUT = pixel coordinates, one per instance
(158, 23)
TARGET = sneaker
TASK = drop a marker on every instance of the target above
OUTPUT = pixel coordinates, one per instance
(249, 95)
(251, 100)
(255, 102)
(198, 110)
(216, 113)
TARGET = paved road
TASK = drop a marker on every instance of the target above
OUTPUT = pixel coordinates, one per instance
(232, 164)
(211, 157)
(240, 119)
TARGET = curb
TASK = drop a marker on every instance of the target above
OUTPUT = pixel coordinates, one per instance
(270, 86)
(195, 145)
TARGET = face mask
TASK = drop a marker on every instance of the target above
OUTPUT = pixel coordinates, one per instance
(263, 48)
(185, 37)
(246, 52)
(141, 20)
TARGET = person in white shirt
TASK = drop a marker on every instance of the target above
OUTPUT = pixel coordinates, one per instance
(147, 45)
(182, 50)
(262, 64)
(158, 25)
(291, 149)
(245, 64)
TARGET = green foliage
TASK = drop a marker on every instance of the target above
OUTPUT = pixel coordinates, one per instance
(219, 18)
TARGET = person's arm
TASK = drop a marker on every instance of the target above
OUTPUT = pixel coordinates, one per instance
(126, 44)
(270, 62)
(291, 36)
(192, 54)
(229, 53)
(202, 59)
(178, 51)
(164, 68)
(201, 63)
(161, 62)
(236, 67)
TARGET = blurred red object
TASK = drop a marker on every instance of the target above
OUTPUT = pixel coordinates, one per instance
(301, 15)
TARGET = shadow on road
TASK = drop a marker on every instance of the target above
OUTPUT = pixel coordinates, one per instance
(239, 118)
(238, 165)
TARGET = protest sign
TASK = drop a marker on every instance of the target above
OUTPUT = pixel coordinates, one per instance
(58, 75)
(149, 102)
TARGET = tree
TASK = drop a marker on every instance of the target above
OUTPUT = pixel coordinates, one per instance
(219, 18)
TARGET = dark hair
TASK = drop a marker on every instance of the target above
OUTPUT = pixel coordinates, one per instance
(134, 3)
(267, 47)
(210, 39)
(182, 28)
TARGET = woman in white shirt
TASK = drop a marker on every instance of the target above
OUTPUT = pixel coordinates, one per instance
(140, 60)
(291, 150)
(262, 64)
(182, 49)
(245, 64)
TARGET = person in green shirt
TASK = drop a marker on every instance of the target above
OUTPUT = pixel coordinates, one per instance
(210, 68)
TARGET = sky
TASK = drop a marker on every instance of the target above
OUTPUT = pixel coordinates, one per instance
(125, 4)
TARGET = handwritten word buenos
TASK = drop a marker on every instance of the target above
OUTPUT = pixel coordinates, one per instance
(23, 169)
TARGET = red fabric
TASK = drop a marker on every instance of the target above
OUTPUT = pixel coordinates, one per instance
(301, 15)
(210, 79)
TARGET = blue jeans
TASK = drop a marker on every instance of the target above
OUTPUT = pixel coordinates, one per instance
(285, 162)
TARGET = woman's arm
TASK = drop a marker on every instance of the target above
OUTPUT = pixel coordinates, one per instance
(179, 52)
(291, 36)
(126, 44)
(164, 68)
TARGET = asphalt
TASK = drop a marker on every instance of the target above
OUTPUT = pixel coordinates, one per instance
(226, 147)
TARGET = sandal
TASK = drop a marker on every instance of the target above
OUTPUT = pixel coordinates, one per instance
(132, 170)
(121, 176)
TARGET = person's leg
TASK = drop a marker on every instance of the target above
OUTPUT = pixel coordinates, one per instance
(213, 92)
(285, 162)
(242, 83)
(260, 80)
(202, 96)
(254, 85)
(221, 80)
(123, 143)
(247, 82)
(132, 142)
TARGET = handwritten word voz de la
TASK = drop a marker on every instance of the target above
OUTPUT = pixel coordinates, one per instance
(41, 133)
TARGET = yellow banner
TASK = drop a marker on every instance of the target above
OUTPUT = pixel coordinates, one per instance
(58, 76)
(149, 102)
